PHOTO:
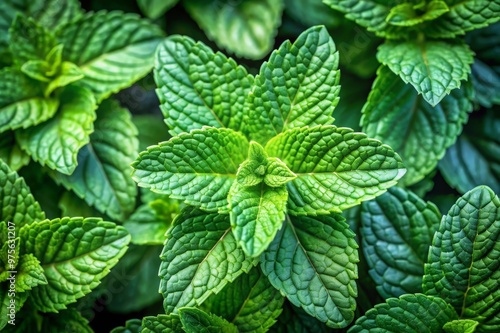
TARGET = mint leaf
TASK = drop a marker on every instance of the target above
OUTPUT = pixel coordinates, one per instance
(7, 313)
(56, 142)
(460, 326)
(246, 28)
(30, 273)
(278, 174)
(397, 230)
(68, 73)
(113, 49)
(72, 205)
(200, 257)
(69, 320)
(21, 101)
(196, 321)
(409, 14)
(256, 213)
(198, 87)
(434, 68)
(131, 326)
(335, 167)
(151, 130)
(420, 133)
(312, 12)
(91, 248)
(474, 160)
(409, 313)
(297, 87)
(294, 319)
(162, 324)
(198, 167)
(11, 153)
(462, 267)
(250, 302)
(313, 256)
(155, 8)
(102, 175)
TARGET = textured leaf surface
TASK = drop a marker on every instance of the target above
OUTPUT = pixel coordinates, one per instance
(433, 68)
(198, 167)
(460, 326)
(196, 321)
(463, 265)
(56, 142)
(246, 28)
(112, 49)
(420, 133)
(294, 319)
(75, 254)
(257, 213)
(198, 87)
(21, 101)
(335, 167)
(409, 314)
(406, 14)
(475, 159)
(397, 230)
(200, 257)
(155, 8)
(11, 153)
(30, 273)
(312, 261)
(297, 87)
(250, 302)
(102, 177)
(162, 324)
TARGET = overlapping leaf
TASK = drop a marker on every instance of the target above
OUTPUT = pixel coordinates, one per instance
(312, 261)
(198, 87)
(11, 153)
(297, 87)
(460, 326)
(155, 8)
(30, 273)
(196, 321)
(335, 167)
(69, 320)
(294, 319)
(162, 324)
(312, 12)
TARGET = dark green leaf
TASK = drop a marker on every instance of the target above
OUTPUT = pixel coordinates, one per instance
(296, 320)
(196, 321)
(131, 326)
(155, 8)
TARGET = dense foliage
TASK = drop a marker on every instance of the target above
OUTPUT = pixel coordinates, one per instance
(337, 173)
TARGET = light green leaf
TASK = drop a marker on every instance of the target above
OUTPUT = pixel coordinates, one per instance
(196, 321)
(75, 253)
(200, 257)
(335, 167)
(30, 273)
(246, 28)
(460, 326)
(409, 14)
(312, 261)
(16, 201)
(278, 174)
(155, 8)
(252, 171)
(131, 326)
(312, 12)
(474, 159)
(434, 68)
(56, 142)
(257, 213)
(409, 313)
(162, 324)
(198, 167)
(69, 320)
(9, 306)
(297, 87)
(397, 230)
(198, 87)
(102, 177)
(464, 15)
(420, 133)
(69, 73)
(11, 153)
(112, 49)
(21, 101)
(250, 302)
(463, 266)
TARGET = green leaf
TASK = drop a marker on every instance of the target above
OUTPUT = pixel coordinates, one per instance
(397, 230)
(55, 143)
(72, 205)
(434, 68)
(312, 12)
(11, 153)
(9, 305)
(198, 167)
(297, 87)
(75, 253)
(69, 320)
(250, 302)
(335, 167)
(420, 133)
(146, 227)
(464, 15)
(16, 201)
(196, 321)
(257, 213)
(278, 174)
(409, 314)
(155, 8)
(69, 73)
(102, 177)
(30, 273)
(200, 257)
(409, 14)
(198, 87)
(296, 320)
(312, 261)
(162, 324)
(112, 49)
(246, 28)
(21, 101)
(131, 326)
(463, 266)
(151, 130)
(460, 326)
(474, 159)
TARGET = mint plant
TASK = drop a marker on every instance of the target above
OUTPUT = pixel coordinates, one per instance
(264, 173)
